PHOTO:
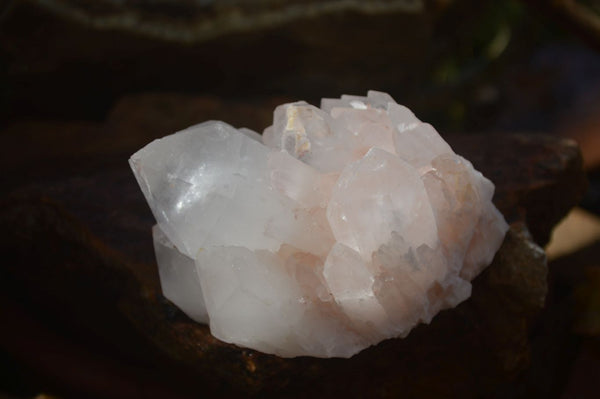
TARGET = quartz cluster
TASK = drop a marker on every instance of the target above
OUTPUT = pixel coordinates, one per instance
(339, 227)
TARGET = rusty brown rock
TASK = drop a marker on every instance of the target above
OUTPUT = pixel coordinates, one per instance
(100, 273)
(538, 178)
(53, 257)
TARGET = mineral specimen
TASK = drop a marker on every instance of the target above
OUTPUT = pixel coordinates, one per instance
(340, 227)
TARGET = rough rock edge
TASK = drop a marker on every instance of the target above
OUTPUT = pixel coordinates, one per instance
(233, 21)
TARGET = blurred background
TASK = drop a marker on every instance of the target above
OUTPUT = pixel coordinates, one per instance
(464, 65)
(85, 83)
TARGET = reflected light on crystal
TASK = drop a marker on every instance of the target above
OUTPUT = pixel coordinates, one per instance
(350, 224)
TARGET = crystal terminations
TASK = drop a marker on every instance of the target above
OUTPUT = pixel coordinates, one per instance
(338, 228)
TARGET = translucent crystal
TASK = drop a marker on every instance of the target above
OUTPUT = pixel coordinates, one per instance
(178, 277)
(339, 227)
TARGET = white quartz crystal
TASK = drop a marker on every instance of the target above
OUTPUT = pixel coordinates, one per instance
(339, 227)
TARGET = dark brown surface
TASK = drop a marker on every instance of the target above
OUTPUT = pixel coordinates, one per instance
(536, 176)
(53, 260)
(80, 264)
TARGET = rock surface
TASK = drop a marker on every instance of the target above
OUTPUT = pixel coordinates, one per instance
(107, 262)
(131, 46)
(494, 349)
(188, 21)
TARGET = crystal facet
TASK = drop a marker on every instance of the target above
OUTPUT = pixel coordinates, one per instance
(339, 227)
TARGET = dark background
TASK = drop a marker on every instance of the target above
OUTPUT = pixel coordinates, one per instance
(463, 65)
